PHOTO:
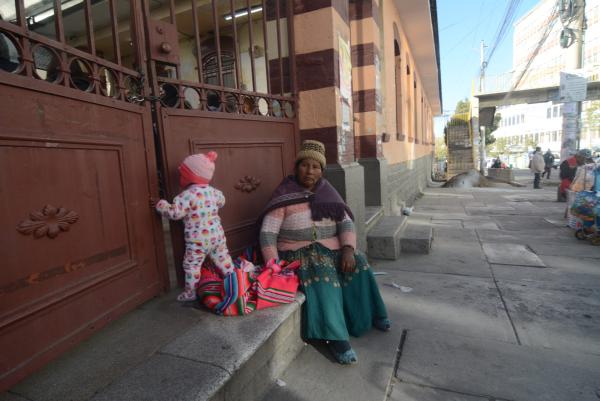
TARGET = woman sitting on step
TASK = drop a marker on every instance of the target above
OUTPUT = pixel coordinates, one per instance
(307, 220)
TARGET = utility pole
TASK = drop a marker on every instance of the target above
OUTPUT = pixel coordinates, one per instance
(572, 37)
(483, 65)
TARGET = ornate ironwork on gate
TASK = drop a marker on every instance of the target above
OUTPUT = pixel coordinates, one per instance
(223, 56)
(80, 44)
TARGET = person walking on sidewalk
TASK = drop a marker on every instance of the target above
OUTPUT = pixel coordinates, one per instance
(549, 162)
(537, 167)
(307, 220)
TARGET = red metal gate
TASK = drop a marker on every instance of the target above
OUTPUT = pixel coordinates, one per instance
(223, 72)
(80, 244)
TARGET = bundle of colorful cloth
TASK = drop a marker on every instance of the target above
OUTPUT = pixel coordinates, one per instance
(251, 287)
(584, 200)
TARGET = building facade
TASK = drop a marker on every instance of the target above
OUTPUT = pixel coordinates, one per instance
(528, 125)
(101, 100)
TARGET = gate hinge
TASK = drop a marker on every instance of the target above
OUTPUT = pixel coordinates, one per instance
(139, 99)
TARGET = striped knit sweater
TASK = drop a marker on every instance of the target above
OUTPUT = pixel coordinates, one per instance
(291, 228)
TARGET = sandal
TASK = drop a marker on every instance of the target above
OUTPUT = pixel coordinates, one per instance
(343, 352)
(382, 324)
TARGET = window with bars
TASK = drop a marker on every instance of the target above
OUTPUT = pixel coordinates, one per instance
(211, 71)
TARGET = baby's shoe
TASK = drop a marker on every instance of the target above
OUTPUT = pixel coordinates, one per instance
(187, 296)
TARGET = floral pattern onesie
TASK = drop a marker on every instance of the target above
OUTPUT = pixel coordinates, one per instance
(198, 206)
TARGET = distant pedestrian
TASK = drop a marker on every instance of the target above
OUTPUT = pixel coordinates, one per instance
(497, 163)
(537, 167)
(549, 163)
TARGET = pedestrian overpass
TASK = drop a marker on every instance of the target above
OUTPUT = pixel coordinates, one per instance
(498, 92)
(534, 95)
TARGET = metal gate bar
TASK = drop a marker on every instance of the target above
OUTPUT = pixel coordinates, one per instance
(217, 45)
(89, 26)
(197, 42)
(266, 42)
(236, 47)
(115, 31)
(251, 47)
(279, 45)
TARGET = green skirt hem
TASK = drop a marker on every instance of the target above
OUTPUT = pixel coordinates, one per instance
(338, 305)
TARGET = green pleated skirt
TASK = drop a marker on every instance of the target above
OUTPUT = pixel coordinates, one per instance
(337, 304)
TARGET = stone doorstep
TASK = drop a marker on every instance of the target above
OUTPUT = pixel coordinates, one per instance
(162, 351)
(416, 238)
(232, 358)
(372, 215)
(383, 240)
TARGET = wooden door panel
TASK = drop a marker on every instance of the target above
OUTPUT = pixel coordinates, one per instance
(254, 156)
(85, 180)
(66, 275)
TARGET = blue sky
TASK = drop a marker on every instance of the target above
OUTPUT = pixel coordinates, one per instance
(462, 25)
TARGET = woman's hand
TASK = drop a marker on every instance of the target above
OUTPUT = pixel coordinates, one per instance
(348, 263)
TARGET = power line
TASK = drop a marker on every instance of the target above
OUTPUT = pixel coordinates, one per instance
(448, 26)
(481, 7)
(487, 28)
(550, 24)
(462, 39)
(509, 16)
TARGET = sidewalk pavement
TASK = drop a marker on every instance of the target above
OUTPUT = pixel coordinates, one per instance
(163, 351)
(506, 306)
(525, 176)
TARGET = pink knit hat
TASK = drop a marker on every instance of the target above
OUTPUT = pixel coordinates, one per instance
(197, 169)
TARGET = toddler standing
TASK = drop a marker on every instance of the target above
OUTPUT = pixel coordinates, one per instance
(198, 205)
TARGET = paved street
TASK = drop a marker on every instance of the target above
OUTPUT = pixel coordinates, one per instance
(505, 307)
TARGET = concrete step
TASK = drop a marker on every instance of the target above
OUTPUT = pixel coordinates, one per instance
(383, 240)
(163, 351)
(372, 215)
(416, 238)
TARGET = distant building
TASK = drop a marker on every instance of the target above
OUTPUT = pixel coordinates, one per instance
(528, 125)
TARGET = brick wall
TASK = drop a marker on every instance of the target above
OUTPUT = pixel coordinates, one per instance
(406, 181)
